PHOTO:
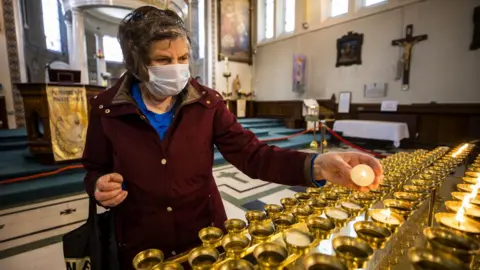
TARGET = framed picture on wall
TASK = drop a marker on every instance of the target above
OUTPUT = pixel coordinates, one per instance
(344, 102)
(235, 30)
(349, 49)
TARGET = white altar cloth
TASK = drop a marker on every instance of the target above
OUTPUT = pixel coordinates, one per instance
(377, 130)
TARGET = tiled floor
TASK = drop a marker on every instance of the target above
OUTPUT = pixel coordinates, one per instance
(30, 236)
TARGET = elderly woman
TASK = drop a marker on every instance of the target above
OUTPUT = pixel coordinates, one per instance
(149, 150)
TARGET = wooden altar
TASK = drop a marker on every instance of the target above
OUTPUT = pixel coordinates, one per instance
(37, 116)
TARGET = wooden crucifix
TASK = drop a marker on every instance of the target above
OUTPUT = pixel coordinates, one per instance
(407, 44)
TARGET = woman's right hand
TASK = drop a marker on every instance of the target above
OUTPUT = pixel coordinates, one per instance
(108, 190)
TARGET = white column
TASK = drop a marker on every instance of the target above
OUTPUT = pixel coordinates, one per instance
(79, 55)
(20, 45)
(71, 50)
(101, 63)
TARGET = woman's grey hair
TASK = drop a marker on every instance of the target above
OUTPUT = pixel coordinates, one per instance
(140, 28)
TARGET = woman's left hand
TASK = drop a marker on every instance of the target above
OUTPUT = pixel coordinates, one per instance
(335, 167)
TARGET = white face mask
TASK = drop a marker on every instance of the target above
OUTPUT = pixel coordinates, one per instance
(167, 80)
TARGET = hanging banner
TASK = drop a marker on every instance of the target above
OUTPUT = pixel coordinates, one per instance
(67, 106)
(299, 73)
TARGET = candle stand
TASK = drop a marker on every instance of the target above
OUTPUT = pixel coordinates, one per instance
(323, 138)
(312, 116)
(227, 76)
(325, 228)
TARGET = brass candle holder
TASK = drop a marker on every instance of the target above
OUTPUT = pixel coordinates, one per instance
(147, 259)
(354, 251)
(470, 180)
(387, 218)
(270, 255)
(260, 232)
(379, 193)
(167, 266)
(235, 226)
(316, 261)
(342, 192)
(288, 203)
(202, 258)
(314, 191)
(330, 197)
(320, 227)
(234, 245)
(423, 192)
(367, 199)
(465, 187)
(273, 210)
(297, 241)
(237, 264)
(471, 210)
(210, 236)
(468, 225)
(351, 207)
(472, 174)
(255, 215)
(283, 222)
(338, 216)
(374, 234)
(461, 196)
(403, 208)
(317, 205)
(386, 187)
(423, 259)
(302, 197)
(452, 242)
(426, 183)
(393, 184)
(407, 196)
(474, 169)
(302, 212)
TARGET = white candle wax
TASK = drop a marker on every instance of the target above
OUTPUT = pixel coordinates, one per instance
(351, 205)
(226, 64)
(297, 239)
(362, 175)
(336, 213)
(385, 217)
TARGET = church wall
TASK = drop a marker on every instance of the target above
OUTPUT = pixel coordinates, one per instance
(443, 69)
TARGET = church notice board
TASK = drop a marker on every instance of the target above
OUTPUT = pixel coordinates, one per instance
(67, 106)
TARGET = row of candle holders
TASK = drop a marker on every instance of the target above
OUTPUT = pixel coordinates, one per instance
(454, 243)
(283, 234)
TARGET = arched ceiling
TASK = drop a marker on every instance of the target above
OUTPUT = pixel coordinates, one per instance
(179, 6)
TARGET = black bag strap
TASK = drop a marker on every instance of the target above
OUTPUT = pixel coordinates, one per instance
(95, 243)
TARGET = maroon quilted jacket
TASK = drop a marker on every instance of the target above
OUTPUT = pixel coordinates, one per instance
(171, 190)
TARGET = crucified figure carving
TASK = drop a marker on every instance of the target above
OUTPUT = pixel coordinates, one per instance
(407, 44)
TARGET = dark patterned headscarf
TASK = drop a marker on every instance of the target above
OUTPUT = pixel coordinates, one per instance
(140, 28)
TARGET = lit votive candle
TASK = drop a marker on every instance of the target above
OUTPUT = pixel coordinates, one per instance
(362, 175)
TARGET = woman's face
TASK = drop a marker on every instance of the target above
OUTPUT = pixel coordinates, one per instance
(169, 52)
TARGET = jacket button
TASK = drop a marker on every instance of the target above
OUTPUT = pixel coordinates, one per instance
(217, 95)
(204, 92)
(164, 161)
(107, 111)
(95, 97)
(174, 253)
(208, 101)
(100, 107)
(142, 117)
(169, 209)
